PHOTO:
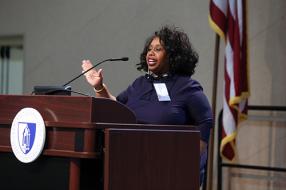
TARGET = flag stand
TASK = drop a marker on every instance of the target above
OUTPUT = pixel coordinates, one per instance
(214, 97)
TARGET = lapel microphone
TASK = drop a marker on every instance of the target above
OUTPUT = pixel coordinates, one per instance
(153, 77)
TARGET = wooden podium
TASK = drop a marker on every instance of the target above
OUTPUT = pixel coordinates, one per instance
(95, 143)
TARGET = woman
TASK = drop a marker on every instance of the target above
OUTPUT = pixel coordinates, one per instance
(166, 94)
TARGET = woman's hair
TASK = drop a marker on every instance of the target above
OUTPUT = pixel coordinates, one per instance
(180, 54)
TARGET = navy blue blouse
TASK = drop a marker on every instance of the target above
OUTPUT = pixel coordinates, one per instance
(188, 105)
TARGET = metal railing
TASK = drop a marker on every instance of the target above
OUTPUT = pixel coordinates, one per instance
(220, 162)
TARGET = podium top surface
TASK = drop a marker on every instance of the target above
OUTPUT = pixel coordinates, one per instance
(71, 109)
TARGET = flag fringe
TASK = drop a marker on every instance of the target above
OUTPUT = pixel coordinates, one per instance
(216, 28)
(228, 140)
(238, 99)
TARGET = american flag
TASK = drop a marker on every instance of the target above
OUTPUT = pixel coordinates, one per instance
(228, 19)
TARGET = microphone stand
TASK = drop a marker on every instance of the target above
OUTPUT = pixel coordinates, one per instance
(85, 71)
(121, 59)
(80, 93)
(64, 88)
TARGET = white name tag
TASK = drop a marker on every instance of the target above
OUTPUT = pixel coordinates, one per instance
(162, 92)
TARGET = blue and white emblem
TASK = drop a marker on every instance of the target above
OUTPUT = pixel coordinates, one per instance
(28, 134)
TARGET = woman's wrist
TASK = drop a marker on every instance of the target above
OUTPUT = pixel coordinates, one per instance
(99, 88)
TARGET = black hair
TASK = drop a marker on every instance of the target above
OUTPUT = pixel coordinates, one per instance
(180, 53)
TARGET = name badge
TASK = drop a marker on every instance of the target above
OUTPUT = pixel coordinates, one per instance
(162, 92)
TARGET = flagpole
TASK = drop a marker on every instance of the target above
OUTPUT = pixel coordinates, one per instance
(214, 97)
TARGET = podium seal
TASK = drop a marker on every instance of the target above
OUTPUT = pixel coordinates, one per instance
(27, 135)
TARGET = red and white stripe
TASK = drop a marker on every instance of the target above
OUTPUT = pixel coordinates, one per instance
(228, 19)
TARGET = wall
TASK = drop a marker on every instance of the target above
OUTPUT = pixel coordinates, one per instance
(59, 34)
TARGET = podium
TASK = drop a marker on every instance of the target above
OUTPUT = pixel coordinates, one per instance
(95, 143)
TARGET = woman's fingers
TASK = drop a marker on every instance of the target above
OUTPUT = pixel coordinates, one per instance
(93, 76)
(100, 73)
(86, 64)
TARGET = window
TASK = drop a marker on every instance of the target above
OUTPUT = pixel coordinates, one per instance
(11, 64)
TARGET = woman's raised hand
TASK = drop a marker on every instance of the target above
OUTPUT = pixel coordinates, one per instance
(93, 77)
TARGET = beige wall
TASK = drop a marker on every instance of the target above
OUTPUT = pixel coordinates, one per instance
(59, 34)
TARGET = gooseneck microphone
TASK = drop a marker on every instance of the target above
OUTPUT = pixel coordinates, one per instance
(64, 89)
(120, 59)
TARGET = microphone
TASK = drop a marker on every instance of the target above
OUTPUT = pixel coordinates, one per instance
(56, 90)
(64, 89)
(52, 90)
(68, 89)
(120, 59)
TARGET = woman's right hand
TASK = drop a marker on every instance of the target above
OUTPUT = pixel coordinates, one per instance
(93, 77)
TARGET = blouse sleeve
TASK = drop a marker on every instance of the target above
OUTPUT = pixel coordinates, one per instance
(200, 113)
(123, 97)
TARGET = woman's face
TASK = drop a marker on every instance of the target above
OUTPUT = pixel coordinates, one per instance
(156, 57)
